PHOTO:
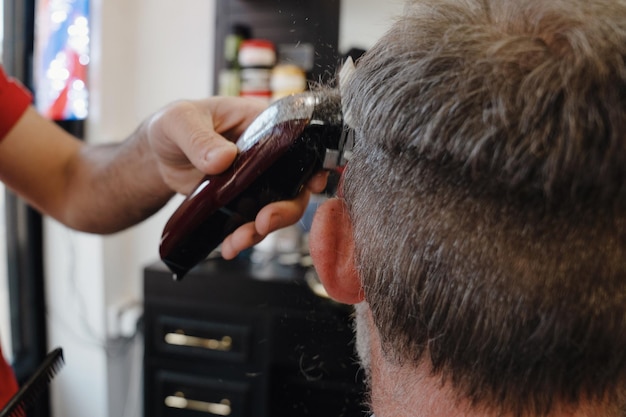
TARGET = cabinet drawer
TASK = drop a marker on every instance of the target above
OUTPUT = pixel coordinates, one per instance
(180, 395)
(202, 339)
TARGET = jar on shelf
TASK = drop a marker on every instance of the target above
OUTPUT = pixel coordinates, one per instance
(287, 79)
(229, 78)
(257, 58)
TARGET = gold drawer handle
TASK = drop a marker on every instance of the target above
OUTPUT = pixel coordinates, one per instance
(179, 401)
(181, 339)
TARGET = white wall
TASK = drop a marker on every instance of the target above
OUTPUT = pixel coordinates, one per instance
(145, 54)
(364, 21)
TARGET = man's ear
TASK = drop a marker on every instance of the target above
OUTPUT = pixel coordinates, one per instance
(332, 249)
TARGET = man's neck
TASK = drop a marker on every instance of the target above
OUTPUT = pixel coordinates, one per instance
(412, 393)
(405, 391)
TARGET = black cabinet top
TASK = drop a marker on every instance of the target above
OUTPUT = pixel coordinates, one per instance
(238, 282)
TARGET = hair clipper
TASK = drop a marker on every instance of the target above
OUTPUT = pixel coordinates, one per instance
(279, 152)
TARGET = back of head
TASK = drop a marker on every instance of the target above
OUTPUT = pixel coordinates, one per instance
(487, 194)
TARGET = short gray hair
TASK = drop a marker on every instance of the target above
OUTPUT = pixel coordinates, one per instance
(487, 193)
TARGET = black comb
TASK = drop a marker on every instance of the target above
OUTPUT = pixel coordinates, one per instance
(35, 386)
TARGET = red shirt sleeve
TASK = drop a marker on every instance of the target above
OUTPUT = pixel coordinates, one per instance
(14, 100)
(8, 383)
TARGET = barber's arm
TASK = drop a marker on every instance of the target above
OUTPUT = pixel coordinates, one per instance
(106, 188)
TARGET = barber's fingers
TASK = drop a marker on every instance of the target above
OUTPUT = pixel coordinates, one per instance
(244, 237)
(318, 182)
(272, 217)
(281, 214)
(201, 144)
(201, 132)
(230, 116)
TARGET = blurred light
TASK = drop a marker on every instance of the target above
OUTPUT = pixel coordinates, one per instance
(62, 57)
(58, 16)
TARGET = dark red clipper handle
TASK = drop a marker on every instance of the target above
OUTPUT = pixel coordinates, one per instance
(280, 151)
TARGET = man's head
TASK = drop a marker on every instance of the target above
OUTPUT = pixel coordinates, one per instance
(484, 209)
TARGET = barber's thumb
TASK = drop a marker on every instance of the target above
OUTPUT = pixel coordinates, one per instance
(217, 154)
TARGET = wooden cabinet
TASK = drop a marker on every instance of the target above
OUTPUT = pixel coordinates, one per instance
(241, 339)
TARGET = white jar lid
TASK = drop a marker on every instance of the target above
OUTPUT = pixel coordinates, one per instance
(257, 53)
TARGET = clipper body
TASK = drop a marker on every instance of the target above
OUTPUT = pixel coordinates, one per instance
(278, 153)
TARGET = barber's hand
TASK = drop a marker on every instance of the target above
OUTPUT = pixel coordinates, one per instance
(193, 138)
(272, 217)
